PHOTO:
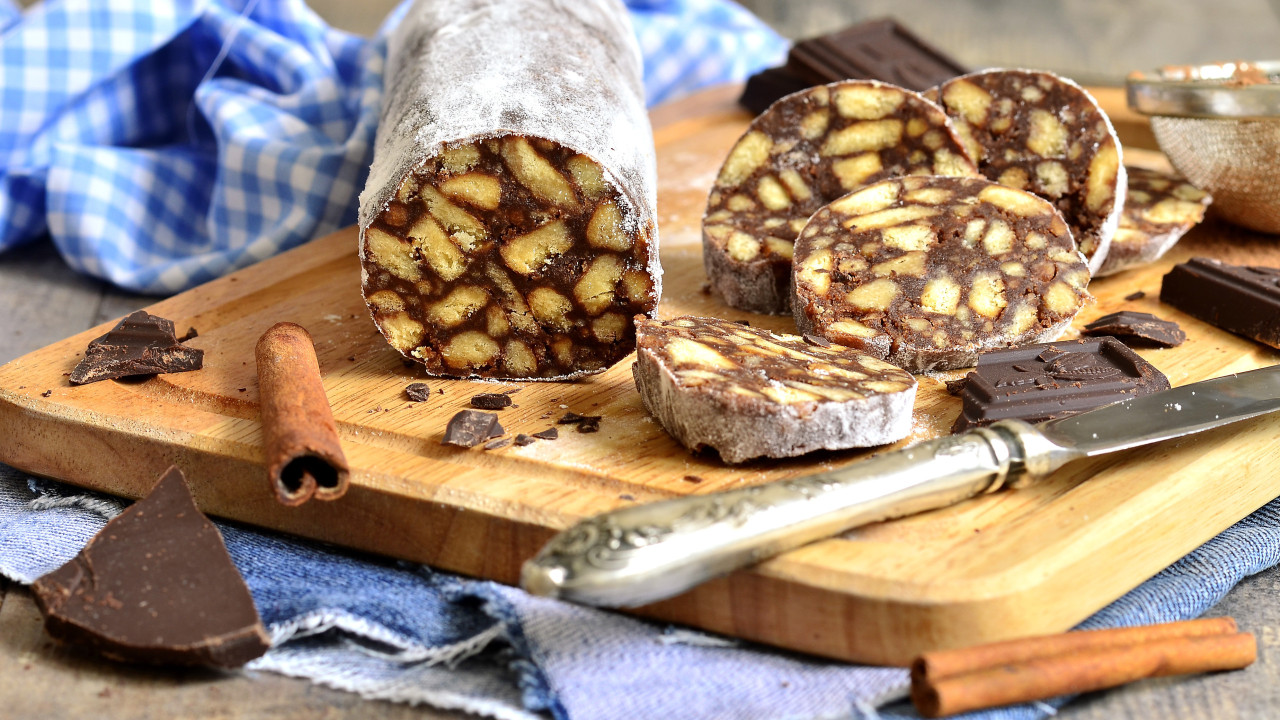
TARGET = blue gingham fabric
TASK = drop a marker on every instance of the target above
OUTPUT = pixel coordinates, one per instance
(401, 632)
(162, 143)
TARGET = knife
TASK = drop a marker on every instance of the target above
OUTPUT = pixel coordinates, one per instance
(645, 553)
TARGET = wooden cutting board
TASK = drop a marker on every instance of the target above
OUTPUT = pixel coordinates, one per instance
(1009, 564)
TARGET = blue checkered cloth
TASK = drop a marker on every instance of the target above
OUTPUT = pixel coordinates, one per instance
(162, 143)
(402, 632)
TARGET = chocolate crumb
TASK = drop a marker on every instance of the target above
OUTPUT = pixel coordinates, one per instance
(548, 434)
(705, 289)
(955, 387)
(691, 479)
(573, 418)
(511, 391)
(1135, 296)
(589, 425)
(743, 322)
(495, 444)
(46, 393)
(491, 401)
(627, 496)
(190, 334)
(351, 358)
(816, 340)
(522, 440)
(470, 428)
(417, 392)
(243, 389)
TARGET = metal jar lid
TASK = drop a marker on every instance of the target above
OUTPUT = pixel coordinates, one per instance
(1241, 90)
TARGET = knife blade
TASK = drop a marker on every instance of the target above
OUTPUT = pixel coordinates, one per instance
(645, 553)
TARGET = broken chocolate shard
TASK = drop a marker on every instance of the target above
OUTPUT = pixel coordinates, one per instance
(548, 434)
(497, 444)
(523, 440)
(817, 340)
(1137, 328)
(1238, 299)
(1078, 375)
(573, 418)
(140, 344)
(156, 585)
(189, 335)
(589, 425)
(417, 392)
(470, 428)
(491, 401)
(955, 387)
(1137, 295)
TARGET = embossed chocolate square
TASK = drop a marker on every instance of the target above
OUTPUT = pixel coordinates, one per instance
(1051, 380)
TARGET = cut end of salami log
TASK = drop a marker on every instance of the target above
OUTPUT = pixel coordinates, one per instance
(507, 230)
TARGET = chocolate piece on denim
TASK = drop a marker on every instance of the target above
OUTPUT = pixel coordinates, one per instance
(1239, 299)
(156, 585)
(470, 428)
(140, 344)
(1137, 328)
(1051, 380)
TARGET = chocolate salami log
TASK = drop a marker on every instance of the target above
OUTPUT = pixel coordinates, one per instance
(507, 228)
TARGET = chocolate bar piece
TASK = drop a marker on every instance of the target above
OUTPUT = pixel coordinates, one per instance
(156, 585)
(1137, 328)
(927, 272)
(872, 50)
(491, 401)
(470, 428)
(508, 228)
(1239, 299)
(1051, 380)
(1043, 133)
(806, 151)
(747, 392)
(1158, 210)
(140, 344)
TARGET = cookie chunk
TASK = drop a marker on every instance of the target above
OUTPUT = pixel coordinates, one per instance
(927, 272)
(806, 150)
(750, 393)
(1039, 132)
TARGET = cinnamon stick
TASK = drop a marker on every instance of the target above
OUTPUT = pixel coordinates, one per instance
(1081, 671)
(942, 663)
(303, 455)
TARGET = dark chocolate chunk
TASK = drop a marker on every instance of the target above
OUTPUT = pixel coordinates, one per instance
(522, 440)
(1137, 328)
(417, 392)
(491, 401)
(190, 334)
(470, 428)
(589, 425)
(46, 393)
(548, 434)
(955, 387)
(872, 50)
(817, 340)
(573, 418)
(765, 87)
(1135, 296)
(1242, 300)
(140, 344)
(1029, 383)
(156, 585)
(496, 444)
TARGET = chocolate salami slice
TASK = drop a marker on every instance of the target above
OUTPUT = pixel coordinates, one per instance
(507, 227)
(1041, 382)
(927, 272)
(803, 152)
(750, 393)
(1040, 132)
(1158, 210)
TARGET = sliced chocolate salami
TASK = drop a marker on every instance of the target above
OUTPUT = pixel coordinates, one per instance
(806, 150)
(927, 272)
(1039, 132)
(750, 393)
(507, 228)
(1158, 210)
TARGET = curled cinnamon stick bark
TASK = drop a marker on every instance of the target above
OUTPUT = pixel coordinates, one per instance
(303, 455)
(943, 663)
(1081, 670)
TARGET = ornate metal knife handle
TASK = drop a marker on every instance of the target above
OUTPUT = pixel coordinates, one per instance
(646, 553)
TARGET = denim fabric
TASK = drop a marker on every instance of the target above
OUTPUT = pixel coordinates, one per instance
(162, 143)
(403, 632)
